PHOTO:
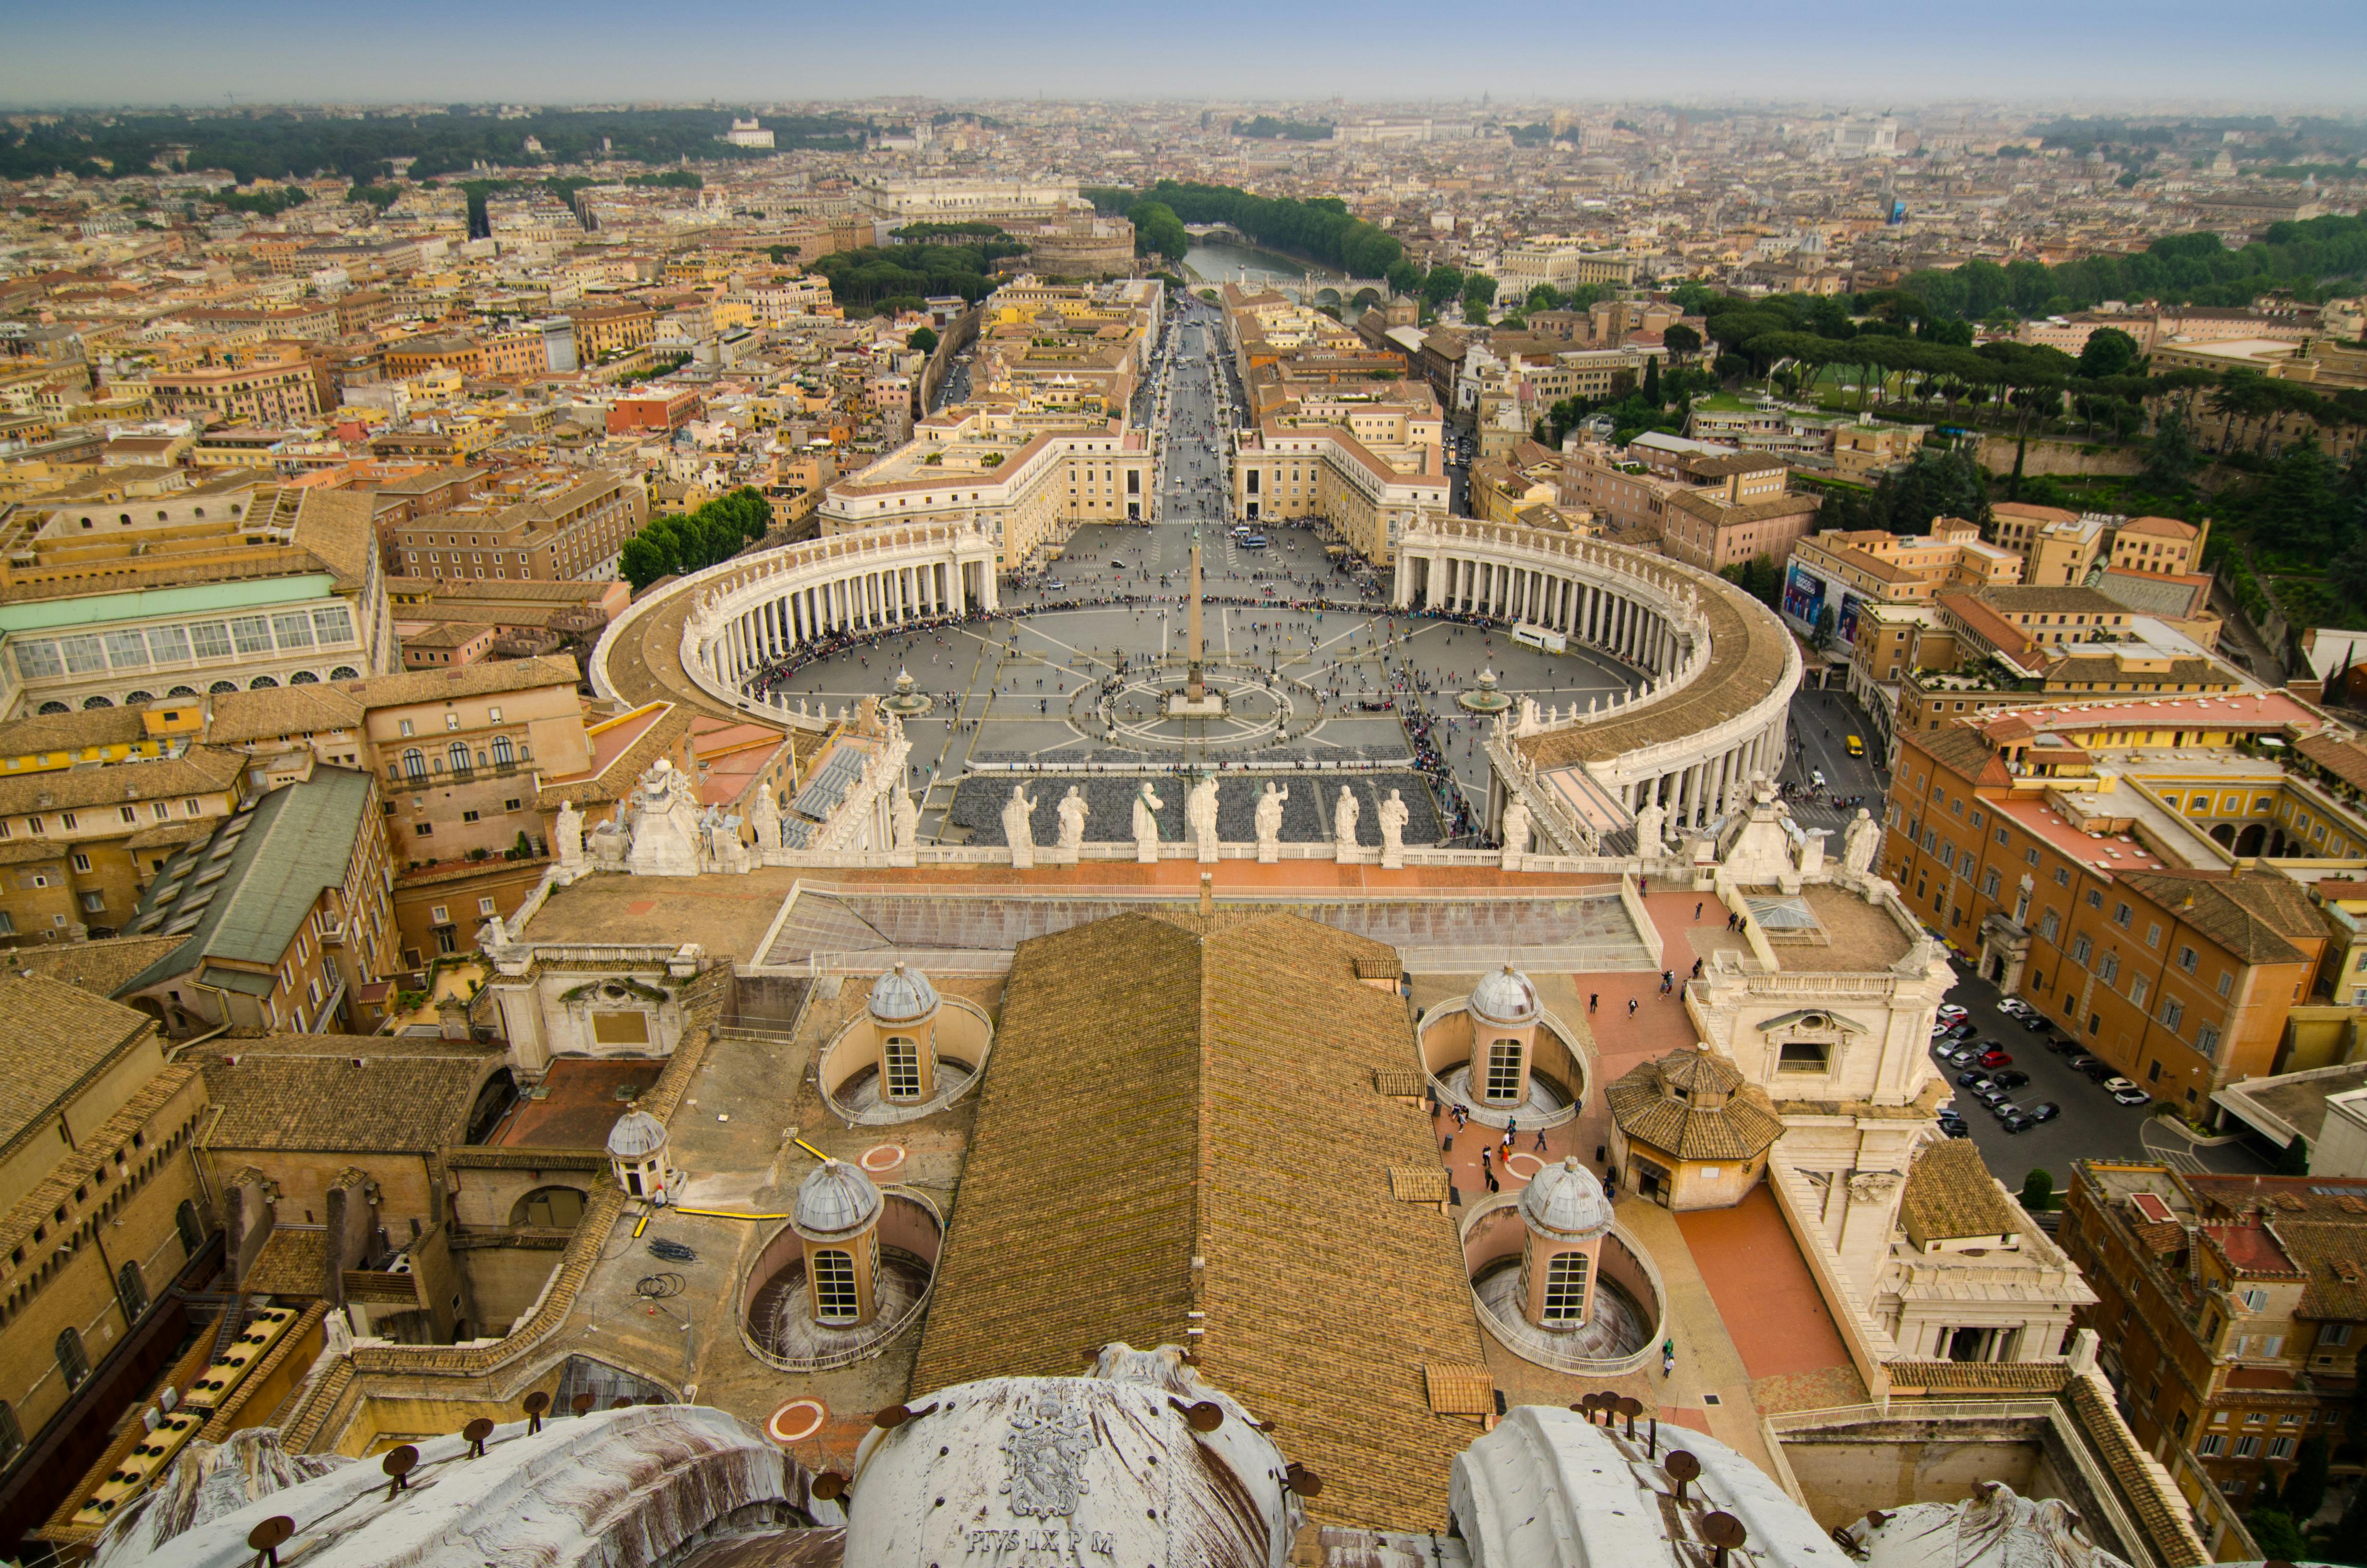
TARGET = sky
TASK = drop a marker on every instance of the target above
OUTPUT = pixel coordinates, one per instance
(2049, 53)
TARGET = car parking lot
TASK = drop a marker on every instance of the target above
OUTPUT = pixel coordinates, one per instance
(2090, 1125)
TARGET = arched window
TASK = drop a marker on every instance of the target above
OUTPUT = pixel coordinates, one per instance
(183, 692)
(1565, 1288)
(551, 1208)
(193, 1234)
(303, 677)
(1504, 1070)
(134, 698)
(903, 1068)
(94, 702)
(414, 763)
(55, 708)
(504, 752)
(455, 756)
(835, 1297)
(345, 671)
(133, 1288)
(221, 685)
(262, 683)
(72, 1360)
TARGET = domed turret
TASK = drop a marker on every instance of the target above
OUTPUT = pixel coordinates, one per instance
(902, 996)
(1566, 1202)
(835, 1201)
(1505, 998)
(637, 1152)
(837, 1219)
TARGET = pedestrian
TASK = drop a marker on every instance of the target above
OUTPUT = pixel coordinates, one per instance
(1631, 1006)
(1591, 998)
(1697, 963)
(1697, 907)
(1493, 1184)
(1460, 1115)
(1541, 1140)
(1667, 1357)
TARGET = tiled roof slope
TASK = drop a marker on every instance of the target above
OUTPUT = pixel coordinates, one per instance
(1172, 1088)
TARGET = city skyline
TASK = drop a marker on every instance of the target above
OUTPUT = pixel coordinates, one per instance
(147, 53)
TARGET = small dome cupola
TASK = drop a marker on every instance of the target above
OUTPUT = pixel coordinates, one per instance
(837, 1219)
(834, 1202)
(637, 1152)
(1506, 999)
(1565, 1203)
(902, 996)
(1567, 1216)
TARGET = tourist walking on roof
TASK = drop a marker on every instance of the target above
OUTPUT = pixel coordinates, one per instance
(1668, 1356)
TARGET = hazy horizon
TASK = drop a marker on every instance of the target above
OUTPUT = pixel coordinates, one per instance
(2108, 54)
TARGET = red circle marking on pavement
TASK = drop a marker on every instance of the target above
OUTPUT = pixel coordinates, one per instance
(882, 1157)
(1535, 1165)
(797, 1421)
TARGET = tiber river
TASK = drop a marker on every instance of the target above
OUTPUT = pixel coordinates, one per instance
(1214, 262)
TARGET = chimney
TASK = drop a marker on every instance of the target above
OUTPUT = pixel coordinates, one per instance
(1207, 892)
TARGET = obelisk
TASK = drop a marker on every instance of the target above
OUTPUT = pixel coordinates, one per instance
(1196, 686)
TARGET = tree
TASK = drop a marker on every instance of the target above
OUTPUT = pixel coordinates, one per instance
(1682, 341)
(1652, 381)
(1478, 296)
(2038, 1191)
(2273, 1528)
(2295, 512)
(2171, 457)
(1158, 232)
(2348, 1543)
(1404, 276)
(922, 338)
(2109, 351)
(643, 561)
(2304, 1490)
(1443, 284)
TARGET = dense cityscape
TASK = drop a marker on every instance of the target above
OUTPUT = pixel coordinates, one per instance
(1185, 830)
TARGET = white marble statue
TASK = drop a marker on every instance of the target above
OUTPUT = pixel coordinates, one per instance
(1147, 805)
(1651, 830)
(567, 835)
(1200, 816)
(1860, 842)
(903, 824)
(1515, 831)
(665, 825)
(1269, 823)
(1072, 812)
(765, 816)
(1392, 817)
(1343, 824)
(1017, 811)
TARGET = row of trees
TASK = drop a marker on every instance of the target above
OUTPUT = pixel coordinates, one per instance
(683, 542)
(284, 145)
(886, 278)
(2175, 269)
(1320, 230)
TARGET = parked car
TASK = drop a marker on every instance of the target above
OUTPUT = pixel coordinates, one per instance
(1950, 1013)
(1972, 1078)
(1963, 1056)
(2013, 1119)
(1999, 1101)
(2013, 1005)
(2035, 1021)
(2045, 1110)
(2120, 1088)
(1994, 1056)
(2095, 1068)
(1955, 1129)
(2063, 1045)
(1962, 1029)
(2008, 1078)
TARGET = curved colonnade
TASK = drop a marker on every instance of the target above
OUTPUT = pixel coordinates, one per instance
(753, 610)
(1720, 667)
(1721, 670)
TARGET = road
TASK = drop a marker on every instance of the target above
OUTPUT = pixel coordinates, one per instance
(1821, 723)
(2091, 1127)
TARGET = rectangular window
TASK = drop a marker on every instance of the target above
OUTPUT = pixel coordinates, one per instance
(2048, 925)
(2138, 988)
(211, 639)
(2122, 913)
(1504, 1070)
(294, 629)
(251, 634)
(835, 1297)
(2095, 898)
(1565, 1288)
(333, 625)
(2246, 1448)
(81, 861)
(1989, 883)
(37, 660)
(2062, 876)
(168, 645)
(2280, 1447)
(2186, 958)
(2153, 935)
(2333, 1335)
(127, 651)
(2110, 970)
(84, 655)
(902, 1071)
(2226, 982)
(2212, 1446)
(2206, 1037)
(2080, 948)
(2173, 1013)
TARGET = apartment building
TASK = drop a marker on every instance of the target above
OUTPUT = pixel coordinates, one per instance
(1845, 569)
(603, 332)
(270, 587)
(282, 912)
(982, 462)
(105, 1214)
(2229, 1313)
(1288, 470)
(2089, 858)
(528, 524)
(1737, 514)
(278, 391)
